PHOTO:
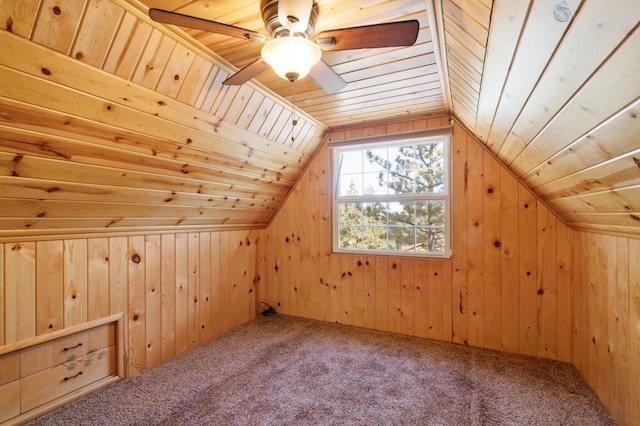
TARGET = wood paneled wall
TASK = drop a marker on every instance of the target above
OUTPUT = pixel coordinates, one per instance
(175, 290)
(507, 286)
(606, 302)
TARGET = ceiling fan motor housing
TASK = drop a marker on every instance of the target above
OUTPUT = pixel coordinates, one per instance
(276, 29)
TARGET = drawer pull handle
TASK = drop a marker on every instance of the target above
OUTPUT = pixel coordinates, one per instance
(66, 379)
(68, 348)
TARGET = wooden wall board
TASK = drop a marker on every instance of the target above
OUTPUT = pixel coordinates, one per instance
(152, 300)
(618, 318)
(409, 297)
(19, 17)
(474, 246)
(19, 291)
(460, 283)
(193, 289)
(633, 369)
(96, 32)
(509, 261)
(144, 276)
(605, 316)
(175, 72)
(181, 293)
(204, 297)
(492, 253)
(119, 290)
(75, 282)
(2, 296)
(528, 272)
(565, 301)
(57, 23)
(127, 46)
(168, 294)
(98, 279)
(49, 287)
(547, 292)
(136, 314)
(407, 306)
(200, 74)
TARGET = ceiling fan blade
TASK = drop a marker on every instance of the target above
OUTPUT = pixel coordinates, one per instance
(325, 77)
(300, 10)
(392, 34)
(246, 73)
(174, 18)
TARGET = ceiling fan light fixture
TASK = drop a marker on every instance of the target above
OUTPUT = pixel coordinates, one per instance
(291, 57)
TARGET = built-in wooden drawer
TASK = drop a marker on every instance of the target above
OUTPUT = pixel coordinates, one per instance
(45, 385)
(9, 367)
(10, 400)
(45, 372)
(65, 349)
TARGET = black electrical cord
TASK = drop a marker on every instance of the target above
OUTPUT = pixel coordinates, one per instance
(267, 310)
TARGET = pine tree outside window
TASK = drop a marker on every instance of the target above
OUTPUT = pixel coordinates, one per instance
(392, 196)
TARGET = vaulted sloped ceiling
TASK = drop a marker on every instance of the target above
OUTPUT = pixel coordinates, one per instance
(553, 89)
(383, 84)
(112, 122)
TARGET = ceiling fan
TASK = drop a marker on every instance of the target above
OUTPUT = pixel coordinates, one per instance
(289, 51)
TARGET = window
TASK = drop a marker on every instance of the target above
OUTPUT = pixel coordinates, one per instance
(392, 196)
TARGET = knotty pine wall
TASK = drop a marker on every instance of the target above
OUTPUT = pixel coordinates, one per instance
(606, 309)
(507, 286)
(175, 290)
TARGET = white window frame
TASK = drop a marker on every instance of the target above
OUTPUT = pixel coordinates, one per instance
(435, 135)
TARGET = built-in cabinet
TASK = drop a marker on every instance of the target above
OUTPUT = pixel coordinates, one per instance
(40, 374)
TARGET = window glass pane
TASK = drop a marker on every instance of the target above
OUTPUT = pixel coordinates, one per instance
(375, 237)
(401, 213)
(416, 169)
(350, 185)
(401, 238)
(376, 166)
(375, 183)
(430, 212)
(430, 217)
(429, 170)
(430, 239)
(375, 160)
(374, 214)
(350, 214)
(350, 237)
(351, 162)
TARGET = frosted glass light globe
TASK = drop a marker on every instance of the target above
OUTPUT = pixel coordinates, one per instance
(291, 57)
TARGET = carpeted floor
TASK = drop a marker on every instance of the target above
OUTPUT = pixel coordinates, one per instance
(284, 370)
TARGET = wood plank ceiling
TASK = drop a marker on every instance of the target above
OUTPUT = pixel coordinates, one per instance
(553, 89)
(383, 84)
(127, 121)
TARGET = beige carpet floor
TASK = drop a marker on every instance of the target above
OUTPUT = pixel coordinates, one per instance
(283, 370)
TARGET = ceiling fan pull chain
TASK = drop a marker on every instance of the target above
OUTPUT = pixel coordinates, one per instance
(294, 121)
